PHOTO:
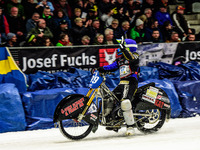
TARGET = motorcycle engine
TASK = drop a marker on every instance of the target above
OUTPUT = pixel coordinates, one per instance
(108, 106)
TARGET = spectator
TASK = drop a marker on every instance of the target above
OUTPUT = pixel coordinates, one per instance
(64, 40)
(50, 22)
(107, 17)
(62, 28)
(116, 29)
(121, 5)
(92, 14)
(16, 24)
(85, 40)
(4, 26)
(159, 3)
(43, 4)
(125, 29)
(30, 8)
(121, 16)
(63, 4)
(137, 32)
(148, 4)
(41, 31)
(31, 40)
(46, 41)
(14, 3)
(109, 37)
(146, 17)
(174, 38)
(77, 14)
(90, 4)
(155, 37)
(78, 31)
(79, 4)
(149, 30)
(190, 37)
(94, 29)
(162, 15)
(133, 10)
(31, 23)
(99, 39)
(11, 40)
(105, 5)
(180, 22)
(167, 30)
(59, 16)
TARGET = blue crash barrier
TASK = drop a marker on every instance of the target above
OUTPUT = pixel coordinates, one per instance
(40, 105)
(45, 80)
(12, 117)
(169, 88)
(74, 78)
(183, 72)
(189, 97)
(147, 73)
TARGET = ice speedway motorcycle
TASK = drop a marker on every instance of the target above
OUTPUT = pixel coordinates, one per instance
(77, 115)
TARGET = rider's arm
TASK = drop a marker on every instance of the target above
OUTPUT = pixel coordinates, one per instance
(130, 56)
(111, 67)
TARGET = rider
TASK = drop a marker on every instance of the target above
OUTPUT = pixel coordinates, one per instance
(128, 64)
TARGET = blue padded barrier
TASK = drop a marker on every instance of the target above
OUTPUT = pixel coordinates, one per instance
(189, 97)
(147, 73)
(12, 117)
(182, 72)
(40, 105)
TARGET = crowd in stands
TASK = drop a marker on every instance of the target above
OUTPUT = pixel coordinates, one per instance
(90, 22)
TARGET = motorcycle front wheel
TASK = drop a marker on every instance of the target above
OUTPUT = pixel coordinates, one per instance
(152, 123)
(73, 129)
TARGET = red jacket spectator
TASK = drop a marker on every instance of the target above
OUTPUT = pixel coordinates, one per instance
(4, 26)
(62, 4)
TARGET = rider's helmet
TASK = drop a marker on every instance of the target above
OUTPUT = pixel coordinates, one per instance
(130, 44)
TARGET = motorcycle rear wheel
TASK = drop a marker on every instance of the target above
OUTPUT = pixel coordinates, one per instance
(153, 123)
(73, 129)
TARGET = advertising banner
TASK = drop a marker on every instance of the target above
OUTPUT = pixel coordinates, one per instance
(188, 52)
(57, 59)
(158, 52)
(60, 59)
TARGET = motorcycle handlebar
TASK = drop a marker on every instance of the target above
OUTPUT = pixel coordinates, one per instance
(102, 73)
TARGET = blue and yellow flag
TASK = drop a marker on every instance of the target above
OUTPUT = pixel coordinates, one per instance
(10, 72)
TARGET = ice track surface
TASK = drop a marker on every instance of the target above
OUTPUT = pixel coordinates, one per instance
(177, 134)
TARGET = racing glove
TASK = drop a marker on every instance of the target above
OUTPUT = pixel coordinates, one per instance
(101, 69)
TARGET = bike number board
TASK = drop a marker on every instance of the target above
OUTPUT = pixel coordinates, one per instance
(96, 80)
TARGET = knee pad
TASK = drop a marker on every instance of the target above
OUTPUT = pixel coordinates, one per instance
(126, 105)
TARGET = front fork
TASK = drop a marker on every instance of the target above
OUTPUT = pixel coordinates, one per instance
(80, 116)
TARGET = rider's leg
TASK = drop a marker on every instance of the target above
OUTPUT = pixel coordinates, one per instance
(127, 111)
(128, 92)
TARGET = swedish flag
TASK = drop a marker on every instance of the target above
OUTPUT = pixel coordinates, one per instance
(10, 72)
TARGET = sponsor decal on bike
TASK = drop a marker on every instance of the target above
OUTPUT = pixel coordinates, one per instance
(73, 107)
(148, 98)
(159, 97)
(159, 103)
(163, 98)
(93, 117)
(152, 92)
(166, 105)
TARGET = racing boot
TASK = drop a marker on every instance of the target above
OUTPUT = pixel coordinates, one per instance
(130, 131)
(128, 116)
